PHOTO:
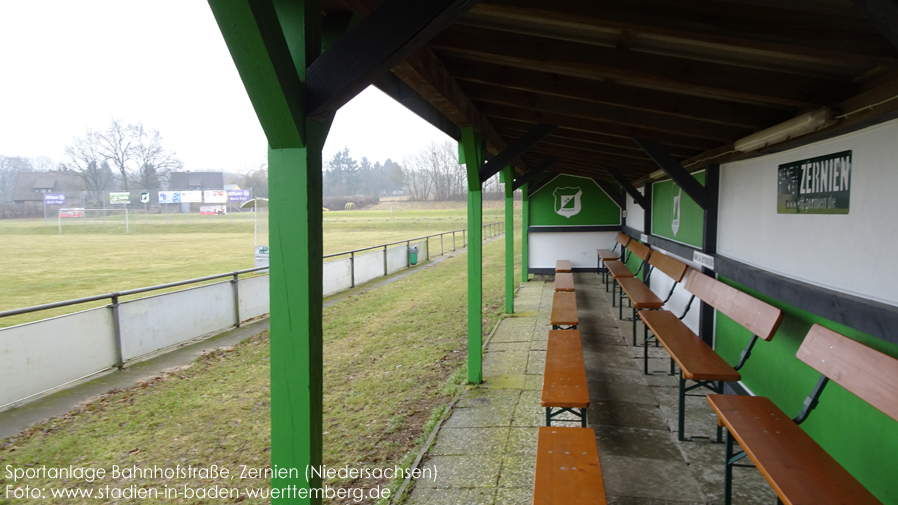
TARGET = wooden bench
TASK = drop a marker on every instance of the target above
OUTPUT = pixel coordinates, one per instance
(638, 292)
(696, 360)
(564, 311)
(562, 266)
(619, 269)
(798, 469)
(609, 254)
(564, 379)
(567, 467)
(564, 281)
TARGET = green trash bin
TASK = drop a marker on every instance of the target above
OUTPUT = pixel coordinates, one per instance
(413, 255)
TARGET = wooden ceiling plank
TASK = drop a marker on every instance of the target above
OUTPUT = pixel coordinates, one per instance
(678, 105)
(603, 112)
(883, 14)
(825, 37)
(666, 72)
(675, 171)
(533, 173)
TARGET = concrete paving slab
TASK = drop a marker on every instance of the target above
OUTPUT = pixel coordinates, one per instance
(650, 478)
(511, 334)
(533, 382)
(508, 347)
(518, 469)
(480, 417)
(470, 471)
(522, 440)
(635, 415)
(514, 496)
(487, 397)
(636, 443)
(504, 382)
(700, 418)
(461, 441)
(536, 362)
(499, 363)
(617, 384)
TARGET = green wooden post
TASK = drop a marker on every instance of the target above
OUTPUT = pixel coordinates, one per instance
(525, 222)
(507, 176)
(270, 43)
(471, 154)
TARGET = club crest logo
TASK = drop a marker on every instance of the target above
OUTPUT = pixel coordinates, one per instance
(567, 201)
(677, 194)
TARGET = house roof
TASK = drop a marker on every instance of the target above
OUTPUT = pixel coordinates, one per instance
(28, 184)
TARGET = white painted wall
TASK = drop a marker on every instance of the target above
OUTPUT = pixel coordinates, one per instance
(578, 247)
(660, 285)
(850, 253)
(635, 213)
(253, 297)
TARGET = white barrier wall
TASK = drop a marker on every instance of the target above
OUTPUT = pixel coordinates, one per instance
(253, 297)
(156, 322)
(579, 247)
(397, 258)
(806, 246)
(369, 266)
(38, 356)
(337, 276)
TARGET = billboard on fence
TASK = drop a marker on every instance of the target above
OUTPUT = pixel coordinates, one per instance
(71, 212)
(213, 210)
(54, 199)
(124, 197)
(191, 196)
(238, 195)
(215, 196)
(169, 197)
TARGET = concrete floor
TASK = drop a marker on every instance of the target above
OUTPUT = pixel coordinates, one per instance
(485, 453)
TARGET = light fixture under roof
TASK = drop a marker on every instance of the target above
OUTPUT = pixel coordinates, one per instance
(795, 127)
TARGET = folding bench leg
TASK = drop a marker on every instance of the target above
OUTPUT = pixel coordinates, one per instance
(580, 413)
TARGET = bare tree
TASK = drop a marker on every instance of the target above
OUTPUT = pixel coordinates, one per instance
(434, 170)
(86, 159)
(154, 162)
(118, 145)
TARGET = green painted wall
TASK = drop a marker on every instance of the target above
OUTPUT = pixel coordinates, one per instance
(595, 206)
(857, 435)
(688, 229)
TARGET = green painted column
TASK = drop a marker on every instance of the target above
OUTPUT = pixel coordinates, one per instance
(525, 222)
(507, 176)
(471, 154)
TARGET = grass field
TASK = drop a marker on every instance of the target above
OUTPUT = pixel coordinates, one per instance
(393, 358)
(41, 266)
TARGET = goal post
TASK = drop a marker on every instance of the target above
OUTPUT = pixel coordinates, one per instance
(108, 220)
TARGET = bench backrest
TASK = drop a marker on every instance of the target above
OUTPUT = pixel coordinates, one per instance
(760, 318)
(871, 375)
(673, 268)
(639, 249)
(623, 239)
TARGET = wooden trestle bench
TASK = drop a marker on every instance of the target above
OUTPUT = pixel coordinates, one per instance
(564, 281)
(799, 470)
(564, 311)
(696, 360)
(564, 379)
(641, 297)
(609, 254)
(562, 266)
(619, 269)
(567, 467)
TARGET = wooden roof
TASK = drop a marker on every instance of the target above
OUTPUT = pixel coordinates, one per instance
(691, 75)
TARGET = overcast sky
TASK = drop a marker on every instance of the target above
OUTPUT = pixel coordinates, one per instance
(66, 66)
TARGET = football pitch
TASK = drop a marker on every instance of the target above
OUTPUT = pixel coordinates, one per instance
(41, 265)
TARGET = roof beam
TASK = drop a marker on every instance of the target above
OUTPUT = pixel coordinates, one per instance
(402, 93)
(533, 173)
(883, 14)
(380, 41)
(679, 75)
(678, 105)
(773, 29)
(612, 192)
(536, 186)
(672, 168)
(515, 150)
(638, 197)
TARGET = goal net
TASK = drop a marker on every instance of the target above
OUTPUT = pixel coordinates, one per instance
(106, 220)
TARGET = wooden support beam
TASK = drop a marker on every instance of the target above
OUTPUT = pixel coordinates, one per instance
(533, 173)
(625, 184)
(380, 41)
(883, 14)
(537, 185)
(675, 74)
(396, 89)
(672, 168)
(612, 192)
(515, 150)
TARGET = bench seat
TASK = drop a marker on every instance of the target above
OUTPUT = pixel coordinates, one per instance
(567, 467)
(564, 281)
(562, 266)
(618, 270)
(696, 359)
(564, 311)
(607, 255)
(564, 379)
(798, 469)
(640, 294)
